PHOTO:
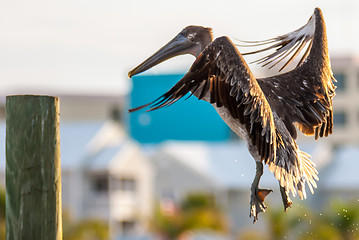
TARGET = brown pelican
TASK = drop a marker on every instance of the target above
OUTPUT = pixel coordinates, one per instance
(263, 111)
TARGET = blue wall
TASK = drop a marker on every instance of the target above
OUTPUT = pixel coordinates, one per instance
(185, 120)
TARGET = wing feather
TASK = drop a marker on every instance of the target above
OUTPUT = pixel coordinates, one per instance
(287, 45)
(302, 97)
(221, 75)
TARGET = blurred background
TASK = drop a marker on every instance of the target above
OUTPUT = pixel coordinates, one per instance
(176, 173)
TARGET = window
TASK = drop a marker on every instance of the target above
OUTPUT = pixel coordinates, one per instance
(341, 81)
(128, 184)
(127, 226)
(116, 113)
(100, 184)
(340, 119)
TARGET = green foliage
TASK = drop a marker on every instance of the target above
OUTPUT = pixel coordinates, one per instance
(2, 203)
(195, 212)
(252, 235)
(2, 214)
(197, 201)
(281, 224)
(84, 230)
(320, 231)
(342, 219)
(338, 221)
(169, 226)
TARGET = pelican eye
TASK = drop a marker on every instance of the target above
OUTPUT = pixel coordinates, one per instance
(191, 36)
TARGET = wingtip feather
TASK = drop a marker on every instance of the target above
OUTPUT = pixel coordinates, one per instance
(131, 110)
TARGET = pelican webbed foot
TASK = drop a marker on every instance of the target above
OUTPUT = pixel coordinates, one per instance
(257, 202)
(258, 195)
(287, 202)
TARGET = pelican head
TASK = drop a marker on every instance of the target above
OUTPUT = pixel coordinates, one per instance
(191, 40)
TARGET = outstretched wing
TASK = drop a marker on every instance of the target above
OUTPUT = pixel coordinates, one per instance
(287, 47)
(303, 96)
(221, 75)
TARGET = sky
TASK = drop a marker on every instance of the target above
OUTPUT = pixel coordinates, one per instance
(87, 47)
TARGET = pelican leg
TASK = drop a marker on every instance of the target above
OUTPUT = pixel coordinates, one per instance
(257, 194)
(287, 202)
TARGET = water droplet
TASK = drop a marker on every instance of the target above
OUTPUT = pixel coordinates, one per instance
(144, 119)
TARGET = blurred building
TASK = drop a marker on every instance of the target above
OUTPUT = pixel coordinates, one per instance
(120, 182)
(111, 181)
(346, 101)
(191, 119)
(119, 174)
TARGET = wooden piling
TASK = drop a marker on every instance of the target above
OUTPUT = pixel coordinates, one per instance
(33, 174)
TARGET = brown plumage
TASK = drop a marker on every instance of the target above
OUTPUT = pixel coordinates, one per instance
(230, 87)
(265, 111)
(303, 97)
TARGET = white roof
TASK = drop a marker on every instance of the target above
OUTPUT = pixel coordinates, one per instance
(74, 139)
(342, 173)
(80, 141)
(228, 163)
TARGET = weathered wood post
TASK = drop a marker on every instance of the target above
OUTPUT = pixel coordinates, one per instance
(33, 174)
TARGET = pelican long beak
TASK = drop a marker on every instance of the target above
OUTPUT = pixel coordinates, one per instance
(177, 46)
